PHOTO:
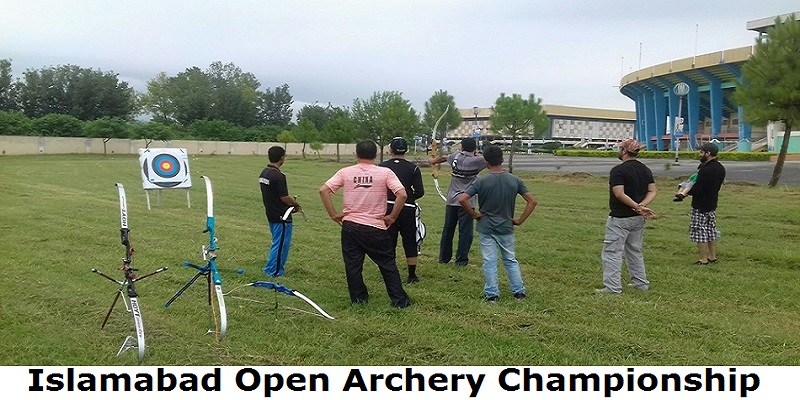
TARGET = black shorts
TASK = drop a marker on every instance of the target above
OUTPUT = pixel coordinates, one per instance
(406, 226)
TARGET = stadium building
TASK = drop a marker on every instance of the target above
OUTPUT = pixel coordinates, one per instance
(663, 120)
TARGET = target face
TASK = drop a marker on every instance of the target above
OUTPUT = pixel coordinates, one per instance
(165, 168)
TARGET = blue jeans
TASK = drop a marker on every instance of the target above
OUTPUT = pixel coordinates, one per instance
(279, 251)
(490, 243)
(455, 215)
(624, 236)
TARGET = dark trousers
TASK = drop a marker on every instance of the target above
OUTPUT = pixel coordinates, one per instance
(360, 240)
(456, 215)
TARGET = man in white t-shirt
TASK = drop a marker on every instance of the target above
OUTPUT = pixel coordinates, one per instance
(364, 222)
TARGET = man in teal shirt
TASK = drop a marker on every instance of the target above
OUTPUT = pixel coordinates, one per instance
(497, 193)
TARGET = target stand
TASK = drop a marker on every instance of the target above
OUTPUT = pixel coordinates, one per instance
(162, 169)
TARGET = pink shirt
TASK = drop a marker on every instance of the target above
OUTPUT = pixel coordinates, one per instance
(364, 199)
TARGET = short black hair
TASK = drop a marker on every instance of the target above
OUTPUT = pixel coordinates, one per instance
(275, 153)
(366, 150)
(468, 144)
(711, 148)
(493, 155)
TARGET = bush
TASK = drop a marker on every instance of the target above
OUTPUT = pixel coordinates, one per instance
(14, 124)
(216, 130)
(57, 125)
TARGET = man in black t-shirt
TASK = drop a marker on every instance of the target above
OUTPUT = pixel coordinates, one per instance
(275, 195)
(631, 189)
(406, 224)
(705, 195)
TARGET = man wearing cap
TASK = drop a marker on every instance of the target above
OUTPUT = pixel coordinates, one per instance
(631, 189)
(406, 224)
(465, 165)
(705, 194)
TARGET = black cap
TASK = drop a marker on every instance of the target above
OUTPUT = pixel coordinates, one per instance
(711, 148)
(398, 145)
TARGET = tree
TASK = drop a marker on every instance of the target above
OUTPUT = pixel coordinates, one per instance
(341, 129)
(106, 129)
(316, 146)
(150, 131)
(770, 86)
(157, 100)
(317, 114)
(83, 93)
(305, 132)
(385, 115)
(434, 108)
(275, 106)
(190, 93)
(234, 94)
(286, 137)
(8, 91)
(514, 115)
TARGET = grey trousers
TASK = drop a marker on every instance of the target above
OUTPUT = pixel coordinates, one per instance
(624, 236)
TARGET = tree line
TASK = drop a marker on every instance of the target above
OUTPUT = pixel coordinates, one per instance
(223, 102)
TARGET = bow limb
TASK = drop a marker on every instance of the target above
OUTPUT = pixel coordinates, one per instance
(312, 304)
(435, 155)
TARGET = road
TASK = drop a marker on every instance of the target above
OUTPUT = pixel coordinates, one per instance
(736, 171)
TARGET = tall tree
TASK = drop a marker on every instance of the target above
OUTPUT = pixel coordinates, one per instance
(385, 115)
(190, 93)
(514, 116)
(434, 108)
(234, 94)
(8, 91)
(770, 86)
(275, 106)
(317, 114)
(83, 93)
(341, 129)
(157, 101)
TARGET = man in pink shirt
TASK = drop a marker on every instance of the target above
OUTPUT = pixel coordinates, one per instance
(364, 222)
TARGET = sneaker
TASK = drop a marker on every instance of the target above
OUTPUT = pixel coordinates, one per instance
(605, 291)
(519, 296)
(461, 264)
(679, 197)
(412, 280)
(644, 289)
(492, 299)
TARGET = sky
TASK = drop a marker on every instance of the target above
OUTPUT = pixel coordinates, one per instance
(566, 52)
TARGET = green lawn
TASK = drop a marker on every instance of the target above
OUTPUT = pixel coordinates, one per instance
(59, 218)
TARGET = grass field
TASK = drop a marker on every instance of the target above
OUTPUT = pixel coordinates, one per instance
(59, 218)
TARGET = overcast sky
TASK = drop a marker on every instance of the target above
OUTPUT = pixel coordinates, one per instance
(567, 52)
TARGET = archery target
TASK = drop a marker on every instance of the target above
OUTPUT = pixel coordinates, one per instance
(165, 168)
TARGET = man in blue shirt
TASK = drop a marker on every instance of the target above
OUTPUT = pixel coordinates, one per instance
(497, 192)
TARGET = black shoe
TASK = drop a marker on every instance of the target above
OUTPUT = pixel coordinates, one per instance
(461, 264)
(519, 296)
(679, 197)
(701, 263)
(711, 261)
(412, 280)
(492, 299)
(403, 304)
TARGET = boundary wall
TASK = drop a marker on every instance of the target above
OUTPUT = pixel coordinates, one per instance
(28, 145)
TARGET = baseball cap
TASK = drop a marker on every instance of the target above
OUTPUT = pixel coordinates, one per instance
(398, 145)
(710, 147)
(630, 145)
